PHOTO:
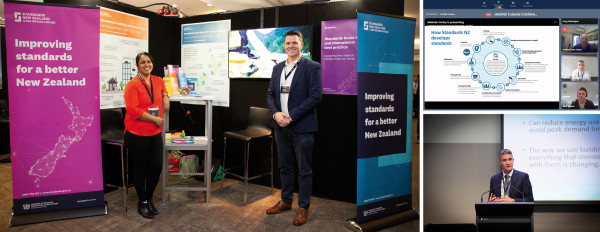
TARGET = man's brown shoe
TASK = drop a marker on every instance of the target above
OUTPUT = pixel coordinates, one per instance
(279, 207)
(300, 217)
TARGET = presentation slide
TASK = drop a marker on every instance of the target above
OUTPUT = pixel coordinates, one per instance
(491, 61)
(560, 152)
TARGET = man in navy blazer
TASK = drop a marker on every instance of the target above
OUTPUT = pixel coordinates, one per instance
(292, 97)
(510, 185)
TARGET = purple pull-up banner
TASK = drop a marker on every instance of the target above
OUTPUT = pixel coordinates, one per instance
(338, 57)
(53, 80)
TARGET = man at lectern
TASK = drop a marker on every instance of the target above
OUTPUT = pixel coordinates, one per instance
(510, 185)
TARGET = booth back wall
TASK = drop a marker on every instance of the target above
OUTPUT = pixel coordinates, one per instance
(334, 158)
(163, 38)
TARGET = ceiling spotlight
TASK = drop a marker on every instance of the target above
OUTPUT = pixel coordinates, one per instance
(168, 10)
(208, 4)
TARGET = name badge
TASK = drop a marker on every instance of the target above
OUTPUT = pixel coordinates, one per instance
(153, 111)
(285, 89)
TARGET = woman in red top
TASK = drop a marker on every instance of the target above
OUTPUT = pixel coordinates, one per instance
(145, 101)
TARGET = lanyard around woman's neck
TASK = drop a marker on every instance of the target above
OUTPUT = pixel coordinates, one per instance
(151, 94)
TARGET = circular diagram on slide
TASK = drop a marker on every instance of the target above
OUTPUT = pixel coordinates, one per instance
(495, 63)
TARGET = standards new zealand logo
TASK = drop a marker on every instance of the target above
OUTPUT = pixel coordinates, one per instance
(18, 17)
(29, 17)
(26, 206)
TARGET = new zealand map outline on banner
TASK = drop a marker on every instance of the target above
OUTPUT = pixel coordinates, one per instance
(45, 166)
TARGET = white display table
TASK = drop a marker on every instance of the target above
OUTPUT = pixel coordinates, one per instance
(203, 143)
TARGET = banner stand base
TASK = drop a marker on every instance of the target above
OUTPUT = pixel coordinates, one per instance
(58, 215)
(384, 222)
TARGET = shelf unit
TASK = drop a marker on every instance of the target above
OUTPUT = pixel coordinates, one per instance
(205, 145)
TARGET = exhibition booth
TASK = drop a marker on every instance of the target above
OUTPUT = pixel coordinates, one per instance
(67, 63)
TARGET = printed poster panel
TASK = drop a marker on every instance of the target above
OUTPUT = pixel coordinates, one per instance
(52, 66)
(204, 59)
(338, 57)
(385, 62)
(122, 37)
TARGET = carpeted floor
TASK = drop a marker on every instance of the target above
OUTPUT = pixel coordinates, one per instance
(187, 211)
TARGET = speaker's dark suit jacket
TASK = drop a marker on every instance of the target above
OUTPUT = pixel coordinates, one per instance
(519, 181)
(305, 94)
(587, 105)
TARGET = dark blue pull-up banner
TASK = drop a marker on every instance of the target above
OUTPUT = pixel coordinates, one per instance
(385, 67)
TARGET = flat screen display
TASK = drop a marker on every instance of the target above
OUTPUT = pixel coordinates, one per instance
(254, 52)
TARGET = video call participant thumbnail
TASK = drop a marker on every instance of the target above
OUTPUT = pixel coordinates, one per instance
(581, 102)
(580, 74)
(583, 45)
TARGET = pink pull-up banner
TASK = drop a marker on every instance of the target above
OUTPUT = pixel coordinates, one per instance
(53, 82)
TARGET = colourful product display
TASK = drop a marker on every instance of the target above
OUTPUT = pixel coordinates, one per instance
(168, 84)
(187, 139)
(192, 84)
(183, 85)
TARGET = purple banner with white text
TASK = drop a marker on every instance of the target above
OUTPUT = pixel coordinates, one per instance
(338, 57)
(53, 80)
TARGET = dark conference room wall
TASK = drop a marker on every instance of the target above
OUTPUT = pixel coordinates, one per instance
(458, 161)
(334, 157)
(460, 154)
